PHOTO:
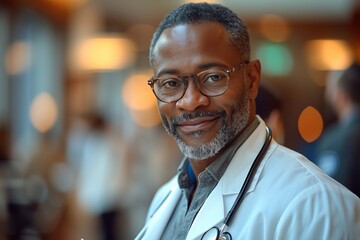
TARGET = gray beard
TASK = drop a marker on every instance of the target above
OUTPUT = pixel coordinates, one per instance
(227, 132)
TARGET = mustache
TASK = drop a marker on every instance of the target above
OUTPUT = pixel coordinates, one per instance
(187, 116)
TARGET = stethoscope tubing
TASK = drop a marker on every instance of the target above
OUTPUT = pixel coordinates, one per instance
(248, 180)
(221, 232)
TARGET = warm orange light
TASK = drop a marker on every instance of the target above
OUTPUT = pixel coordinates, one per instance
(310, 124)
(139, 98)
(17, 57)
(274, 27)
(104, 53)
(43, 112)
(137, 94)
(328, 54)
(71, 4)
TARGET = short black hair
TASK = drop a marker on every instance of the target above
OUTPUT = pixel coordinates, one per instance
(350, 82)
(193, 13)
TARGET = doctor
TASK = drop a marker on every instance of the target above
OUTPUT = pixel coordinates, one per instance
(234, 179)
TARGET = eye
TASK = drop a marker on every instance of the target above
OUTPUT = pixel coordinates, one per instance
(213, 77)
(169, 83)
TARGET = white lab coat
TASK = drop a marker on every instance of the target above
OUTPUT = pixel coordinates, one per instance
(289, 198)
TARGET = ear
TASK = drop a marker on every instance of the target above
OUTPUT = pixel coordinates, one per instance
(253, 75)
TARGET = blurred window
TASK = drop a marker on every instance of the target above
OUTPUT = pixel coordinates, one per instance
(41, 70)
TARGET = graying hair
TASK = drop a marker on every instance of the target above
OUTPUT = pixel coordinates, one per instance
(193, 13)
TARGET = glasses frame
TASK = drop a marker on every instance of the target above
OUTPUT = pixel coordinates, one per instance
(184, 80)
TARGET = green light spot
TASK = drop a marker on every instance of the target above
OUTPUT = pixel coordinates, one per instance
(276, 59)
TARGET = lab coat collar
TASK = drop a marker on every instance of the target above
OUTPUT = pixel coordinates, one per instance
(161, 215)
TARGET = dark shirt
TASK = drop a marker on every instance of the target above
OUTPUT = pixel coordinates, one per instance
(186, 209)
(338, 152)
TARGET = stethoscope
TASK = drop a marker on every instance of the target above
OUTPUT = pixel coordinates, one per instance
(216, 233)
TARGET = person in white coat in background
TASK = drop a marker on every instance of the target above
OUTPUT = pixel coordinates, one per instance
(235, 181)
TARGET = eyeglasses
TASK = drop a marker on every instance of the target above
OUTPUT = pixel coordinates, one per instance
(211, 82)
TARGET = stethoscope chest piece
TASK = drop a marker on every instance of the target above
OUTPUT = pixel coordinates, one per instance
(225, 236)
(215, 234)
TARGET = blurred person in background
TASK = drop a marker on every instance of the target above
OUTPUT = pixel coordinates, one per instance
(338, 150)
(104, 176)
(268, 106)
(235, 181)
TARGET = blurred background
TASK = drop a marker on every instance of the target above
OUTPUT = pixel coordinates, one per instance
(82, 149)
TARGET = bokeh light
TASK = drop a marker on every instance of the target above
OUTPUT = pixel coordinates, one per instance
(104, 53)
(70, 4)
(276, 59)
(328, 54)
(310, 124)
(137, 94)
(43, 112)
(138, 97)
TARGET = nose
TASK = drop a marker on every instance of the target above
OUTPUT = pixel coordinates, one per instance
(192, 98)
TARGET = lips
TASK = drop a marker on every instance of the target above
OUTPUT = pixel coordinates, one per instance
(197, 124)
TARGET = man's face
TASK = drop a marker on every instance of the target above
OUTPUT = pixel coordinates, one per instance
(203, 125)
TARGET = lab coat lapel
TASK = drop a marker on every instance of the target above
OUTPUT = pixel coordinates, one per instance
(239, 167)
(210, 214)
(158, 221)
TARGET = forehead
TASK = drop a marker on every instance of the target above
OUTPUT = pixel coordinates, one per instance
(190, 44)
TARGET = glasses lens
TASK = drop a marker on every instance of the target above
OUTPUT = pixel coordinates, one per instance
(213, 82)
(168, 89)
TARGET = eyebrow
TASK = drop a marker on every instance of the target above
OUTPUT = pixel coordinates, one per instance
(201, 67)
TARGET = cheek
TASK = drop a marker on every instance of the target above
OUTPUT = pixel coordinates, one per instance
(165, 110)
(226, 105)
(234, 96)
(233, 100)
(237, 86)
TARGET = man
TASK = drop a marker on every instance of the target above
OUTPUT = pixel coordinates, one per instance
(206, 86)
(339, 147)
